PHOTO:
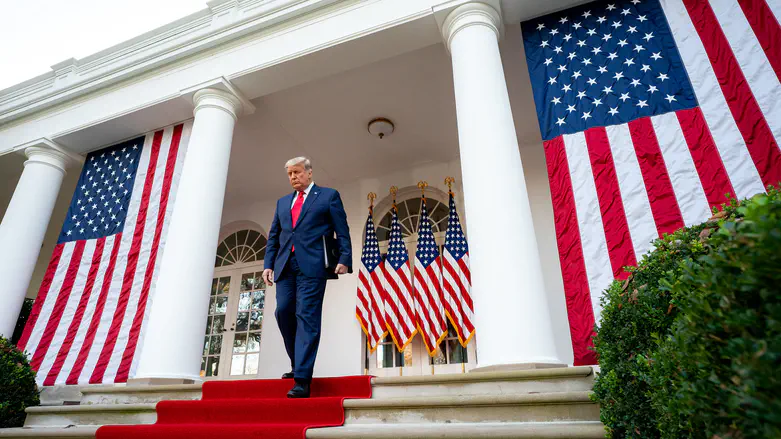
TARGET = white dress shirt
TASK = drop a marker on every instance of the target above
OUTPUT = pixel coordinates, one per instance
(306, 194)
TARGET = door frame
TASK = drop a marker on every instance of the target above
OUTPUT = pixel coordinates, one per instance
(235, 273)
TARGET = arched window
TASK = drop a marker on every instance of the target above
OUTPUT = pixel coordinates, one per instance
(241, 247)
(409, 217)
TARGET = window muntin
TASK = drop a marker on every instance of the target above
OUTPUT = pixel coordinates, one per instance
(241, 247)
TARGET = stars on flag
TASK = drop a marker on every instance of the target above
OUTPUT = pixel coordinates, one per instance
(578, 55)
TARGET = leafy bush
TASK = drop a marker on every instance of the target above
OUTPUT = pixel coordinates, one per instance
(642, 391)
(719, 373)
(17, 385)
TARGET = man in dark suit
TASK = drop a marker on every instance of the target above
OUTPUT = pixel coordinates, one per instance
(301, 255)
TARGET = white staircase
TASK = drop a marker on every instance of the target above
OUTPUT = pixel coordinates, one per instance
(542, 403)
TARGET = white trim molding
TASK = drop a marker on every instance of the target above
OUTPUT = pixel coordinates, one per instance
(222, 22)
(454, 16)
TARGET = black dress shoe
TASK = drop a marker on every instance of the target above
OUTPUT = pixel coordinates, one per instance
(287, 376)
(300, 390)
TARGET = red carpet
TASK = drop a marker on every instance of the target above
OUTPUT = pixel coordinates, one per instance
(248, 409)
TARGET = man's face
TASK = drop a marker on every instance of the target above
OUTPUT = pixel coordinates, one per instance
(299, 177)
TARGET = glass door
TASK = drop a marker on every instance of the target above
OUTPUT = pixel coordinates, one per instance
(234, 324)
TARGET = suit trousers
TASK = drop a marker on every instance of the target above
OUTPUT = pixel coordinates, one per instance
(299, 316)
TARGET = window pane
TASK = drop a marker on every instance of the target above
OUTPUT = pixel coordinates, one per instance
(458, 353)
(241, 236)
(222, 305)
(213, 366)
(414, 205)
(240, 344)
(256, 320)
(252, 237)
(253, 343)
(214, 287)
(215, 345)
(222, 250)
(203, 366)
(260, 245)
(439, 213)
(438, 358)
(230, 241)
(225, 285)
(242, 322)
(252, 364)
(213, 305)
(259, 300)
(402, 207)
(209, 325)
(219, 324)
(415, 220)
(205, 349)
(237, 365)
(244, 301)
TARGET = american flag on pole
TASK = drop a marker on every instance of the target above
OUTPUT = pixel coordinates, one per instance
(87, 322)
(427, 290)
(399, 306)
(457, 279)
(650, 112)
(370, 306)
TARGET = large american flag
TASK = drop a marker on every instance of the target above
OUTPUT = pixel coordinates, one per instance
(399, 306)
(370, 306)
(427, 286)
(457, 278)
(87, 322)
(650, 111)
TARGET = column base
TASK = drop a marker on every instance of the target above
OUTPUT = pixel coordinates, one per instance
(519, 366)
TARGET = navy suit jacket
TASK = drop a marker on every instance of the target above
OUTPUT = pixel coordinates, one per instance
(322, 216)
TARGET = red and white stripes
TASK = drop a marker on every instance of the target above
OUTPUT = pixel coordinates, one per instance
(87, 322)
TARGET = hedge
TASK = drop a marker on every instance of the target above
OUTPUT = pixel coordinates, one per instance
(689, 344)
(17, 385)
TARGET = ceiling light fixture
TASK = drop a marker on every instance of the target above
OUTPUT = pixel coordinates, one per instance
(381, 127)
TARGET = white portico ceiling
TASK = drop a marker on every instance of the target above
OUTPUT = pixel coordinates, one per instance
(327, 119)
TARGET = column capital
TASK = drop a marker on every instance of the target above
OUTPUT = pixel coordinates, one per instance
(474, 13)
(46, 152)
(221, 94)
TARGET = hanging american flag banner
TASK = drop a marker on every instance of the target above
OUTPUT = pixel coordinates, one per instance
(370, 306)
(650, 112)
(87, 322)
(456, 278)
(399, 306)
(427, 290)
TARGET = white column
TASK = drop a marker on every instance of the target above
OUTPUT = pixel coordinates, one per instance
(24, 226)
(173, 339)
(512, 321)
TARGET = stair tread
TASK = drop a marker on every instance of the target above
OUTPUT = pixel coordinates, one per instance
(571, 430)
(484, 399)
(515, 375)
(582, 429)
(150, 406)
(71, 431)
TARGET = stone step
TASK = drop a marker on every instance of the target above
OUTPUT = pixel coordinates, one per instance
(493, 430)
(560, 379)
(90, 414)
(564, 379)
(139, 394)
(75, 432)
(501, 430)
(539, 407)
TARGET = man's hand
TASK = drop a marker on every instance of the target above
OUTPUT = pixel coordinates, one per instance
(268, 276)
(340, 269)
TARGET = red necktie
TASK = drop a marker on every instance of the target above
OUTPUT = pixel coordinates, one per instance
(295, 212)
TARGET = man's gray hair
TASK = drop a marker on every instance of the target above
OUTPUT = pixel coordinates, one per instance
(298, 161)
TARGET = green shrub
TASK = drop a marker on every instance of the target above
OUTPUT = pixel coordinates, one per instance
(17, 385)
(637, 396)
(719, 373)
